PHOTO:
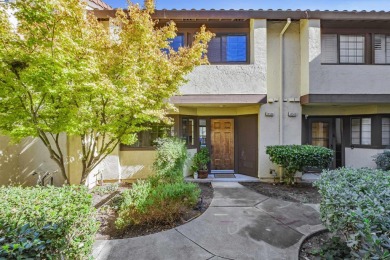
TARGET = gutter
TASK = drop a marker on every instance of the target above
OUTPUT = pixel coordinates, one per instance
(281, 100)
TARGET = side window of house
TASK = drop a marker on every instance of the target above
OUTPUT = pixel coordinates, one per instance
(188, 131)
(386, 131)
(146, 139)
(361, 131)
(228, 48)
(382, 49)
(343, 49)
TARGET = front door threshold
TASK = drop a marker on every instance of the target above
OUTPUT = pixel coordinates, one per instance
(221, 171)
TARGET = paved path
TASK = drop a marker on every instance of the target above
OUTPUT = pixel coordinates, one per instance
(239, 224)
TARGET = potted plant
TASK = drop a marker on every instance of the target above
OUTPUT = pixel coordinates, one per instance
(199, 163)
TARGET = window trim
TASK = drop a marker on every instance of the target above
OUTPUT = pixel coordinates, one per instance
(247, 35)
(360, 130)
(384, 146)
(180, 132)
(367, 47)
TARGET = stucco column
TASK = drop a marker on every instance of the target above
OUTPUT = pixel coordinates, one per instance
(258, 41)
(310, 38)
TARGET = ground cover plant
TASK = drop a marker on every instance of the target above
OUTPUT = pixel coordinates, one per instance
(356, 203)
(46, 223)
(294, 158)
(161, 198)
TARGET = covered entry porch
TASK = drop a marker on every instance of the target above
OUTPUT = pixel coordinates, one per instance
(227, 125)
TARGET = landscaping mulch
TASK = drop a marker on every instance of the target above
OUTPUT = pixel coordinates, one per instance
(107, 215)
(300, 192)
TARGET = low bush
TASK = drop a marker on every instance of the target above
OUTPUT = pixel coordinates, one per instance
(170, 159)
(146, 203)
(46, 223)
(294, 158)
(356, 202)
(161, 198)
(382, 160)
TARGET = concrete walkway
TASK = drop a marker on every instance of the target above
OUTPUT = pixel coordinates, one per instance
(239, 224)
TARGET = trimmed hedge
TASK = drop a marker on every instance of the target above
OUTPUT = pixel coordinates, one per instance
(356, 202)
(46, 222)
(294, 158)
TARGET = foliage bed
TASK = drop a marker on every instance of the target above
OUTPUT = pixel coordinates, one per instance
(46, 223)
(382, 160)
(356, 202)
(295, 158)
(161, 198)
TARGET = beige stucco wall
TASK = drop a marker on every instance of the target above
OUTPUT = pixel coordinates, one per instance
(9, 167)
(357, 157)
(137, 164)
(336, 79)
(270, 127)
(234, 79)
(345, 110)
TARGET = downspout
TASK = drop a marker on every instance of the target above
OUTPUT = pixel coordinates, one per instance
(281, 101)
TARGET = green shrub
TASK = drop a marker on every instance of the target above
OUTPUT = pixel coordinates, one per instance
(46, 222)
(382, 160)
(356, 202)
(200, 160)
(162, 203)
(294, 158)
(170, 159)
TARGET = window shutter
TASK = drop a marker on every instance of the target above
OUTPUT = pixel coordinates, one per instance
(329, 48)
(380, 48)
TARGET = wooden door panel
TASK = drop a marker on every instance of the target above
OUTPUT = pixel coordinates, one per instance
(222, 142)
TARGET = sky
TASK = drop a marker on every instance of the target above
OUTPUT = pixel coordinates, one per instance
(265, 4)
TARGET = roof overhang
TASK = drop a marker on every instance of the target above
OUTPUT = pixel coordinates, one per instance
(345, 99)
(228, 99)
(258, 14)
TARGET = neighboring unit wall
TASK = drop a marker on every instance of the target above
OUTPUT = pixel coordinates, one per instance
(234, 78)
(319, 78)
(357, 157)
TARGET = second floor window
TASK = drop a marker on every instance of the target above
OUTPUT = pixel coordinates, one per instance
(228, 48)
(177, 42)
(382, 49)
(343, 49)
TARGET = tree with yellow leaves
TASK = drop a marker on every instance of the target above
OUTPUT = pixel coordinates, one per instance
(61, 71)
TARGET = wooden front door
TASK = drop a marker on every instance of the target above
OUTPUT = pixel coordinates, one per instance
(222, 144)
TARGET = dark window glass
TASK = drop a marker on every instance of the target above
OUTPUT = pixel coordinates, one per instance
(228, 48)
(187, 130)
(147, 138)
(202, 133)
(386, 131)
(361, 131)
(177, 42)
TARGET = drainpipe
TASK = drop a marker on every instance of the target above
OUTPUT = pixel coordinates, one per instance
(281, 101)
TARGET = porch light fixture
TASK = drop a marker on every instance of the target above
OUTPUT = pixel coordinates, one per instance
(268, 114)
